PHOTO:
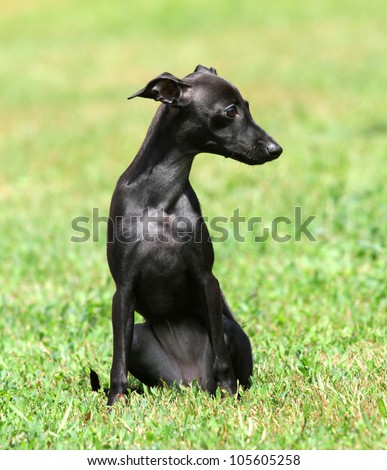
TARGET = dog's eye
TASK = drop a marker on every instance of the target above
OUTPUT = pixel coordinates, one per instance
(231, 111)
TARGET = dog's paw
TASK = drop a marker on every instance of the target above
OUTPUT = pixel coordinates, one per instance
(225, 378)
(227, 388)
(116, 397)
(227, 385)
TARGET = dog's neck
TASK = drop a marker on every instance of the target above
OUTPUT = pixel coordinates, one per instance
(160, 170)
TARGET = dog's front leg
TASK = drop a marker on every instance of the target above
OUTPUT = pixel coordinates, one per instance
(223, 371)
(123, 321)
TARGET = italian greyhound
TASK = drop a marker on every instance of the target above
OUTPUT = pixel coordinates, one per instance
(159, 250)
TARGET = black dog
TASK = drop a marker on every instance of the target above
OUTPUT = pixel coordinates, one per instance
(159, 250)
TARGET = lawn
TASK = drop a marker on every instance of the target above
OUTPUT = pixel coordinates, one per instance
(315, 76)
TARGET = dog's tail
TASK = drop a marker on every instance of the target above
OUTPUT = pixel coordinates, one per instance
(95, 383)
(94, 380)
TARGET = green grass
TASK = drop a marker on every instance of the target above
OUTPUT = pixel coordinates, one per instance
(315, 75)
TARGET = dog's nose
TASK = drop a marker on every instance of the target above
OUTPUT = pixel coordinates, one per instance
(274, 149)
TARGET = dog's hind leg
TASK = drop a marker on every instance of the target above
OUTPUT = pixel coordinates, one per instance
(172, 353)
(180, 353)
(239, 347)
(149, 361)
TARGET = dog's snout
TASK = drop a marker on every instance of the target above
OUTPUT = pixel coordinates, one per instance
(274, 149)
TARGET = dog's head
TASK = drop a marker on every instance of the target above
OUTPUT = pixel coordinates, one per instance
(214, 115)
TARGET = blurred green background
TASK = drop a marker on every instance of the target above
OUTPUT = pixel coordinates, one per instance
(315, 75)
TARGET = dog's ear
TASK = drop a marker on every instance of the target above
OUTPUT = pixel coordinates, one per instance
(165, 88)
(203, 69)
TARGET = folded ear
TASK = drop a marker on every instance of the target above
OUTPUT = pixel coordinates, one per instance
(165, 88)
(202, 68)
